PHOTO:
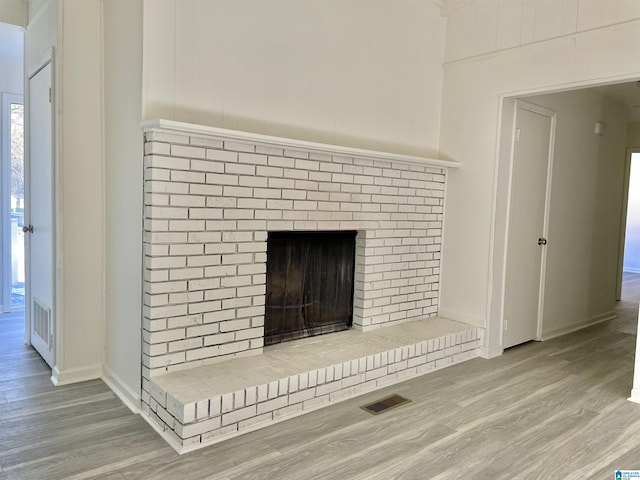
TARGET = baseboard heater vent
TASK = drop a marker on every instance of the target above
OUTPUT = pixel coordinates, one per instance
(386, 404)
(42, 322)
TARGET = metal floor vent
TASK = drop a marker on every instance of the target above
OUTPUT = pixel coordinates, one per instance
(42, 322)
(386, 404)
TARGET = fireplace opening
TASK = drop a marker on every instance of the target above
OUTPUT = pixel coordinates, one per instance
(309, 284)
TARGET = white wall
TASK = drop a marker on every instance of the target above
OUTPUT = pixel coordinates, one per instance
(73, 29)
(353, 76)
(123, 177)
(80, 161)
(34, 7)
(471, 108)
(346, 72)
(478, 27)
(13, 12)
(41, 33)
(633, 134)
(11, 76)
(585, 209)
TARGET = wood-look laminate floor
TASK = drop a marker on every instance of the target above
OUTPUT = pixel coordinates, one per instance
(549, 410)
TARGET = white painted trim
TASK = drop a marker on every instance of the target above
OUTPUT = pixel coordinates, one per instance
(509, 188)
(75, 375)
(45, 60)
(635, 395)
(443, 233)
(547, 204)
(488, 352)
(103, 220)
(474, 320)
(236, 135)
(130, 398)
(574, 327)
(495, 282)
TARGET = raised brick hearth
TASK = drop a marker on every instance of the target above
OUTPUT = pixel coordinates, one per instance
(211, 197)
(207, 404)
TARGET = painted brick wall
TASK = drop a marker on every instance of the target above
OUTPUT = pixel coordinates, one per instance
(210, 202)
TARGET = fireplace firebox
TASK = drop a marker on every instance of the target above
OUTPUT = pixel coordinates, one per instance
(309, 284)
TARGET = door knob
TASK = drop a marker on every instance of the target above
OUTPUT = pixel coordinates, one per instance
(542, 241)
(27, 229)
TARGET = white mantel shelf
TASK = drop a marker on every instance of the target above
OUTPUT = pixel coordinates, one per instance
(236, 135)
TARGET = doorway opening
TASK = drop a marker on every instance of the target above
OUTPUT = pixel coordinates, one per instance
(13, 261)
(631, 258)
(586, 202)
(12, 119)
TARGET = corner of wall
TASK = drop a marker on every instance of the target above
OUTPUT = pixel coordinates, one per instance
(130, 398)
(633, 134)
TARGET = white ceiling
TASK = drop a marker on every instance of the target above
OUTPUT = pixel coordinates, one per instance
(11, 42)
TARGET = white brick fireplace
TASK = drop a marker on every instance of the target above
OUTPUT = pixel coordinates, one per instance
(211, 197)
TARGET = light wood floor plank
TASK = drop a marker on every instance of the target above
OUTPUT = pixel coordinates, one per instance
(555, 409)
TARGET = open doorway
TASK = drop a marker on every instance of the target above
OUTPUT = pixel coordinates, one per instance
(13, 261)
(12, 119)
(586, 201)
(631, 256)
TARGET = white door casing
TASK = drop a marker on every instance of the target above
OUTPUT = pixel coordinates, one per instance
(528, 214)
(39, 213)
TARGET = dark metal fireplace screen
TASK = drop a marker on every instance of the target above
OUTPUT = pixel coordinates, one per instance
(309, 284)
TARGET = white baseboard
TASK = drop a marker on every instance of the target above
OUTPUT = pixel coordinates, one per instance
(474, 320)
(631, 270)
(75, 375)
(635, 395)
(603, 317)
(490, 352)
(130, 398)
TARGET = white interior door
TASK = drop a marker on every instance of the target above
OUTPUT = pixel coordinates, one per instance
(39, 209)
(527, 234)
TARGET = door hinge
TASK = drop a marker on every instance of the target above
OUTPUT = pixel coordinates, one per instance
(517, 134)
(49, 94)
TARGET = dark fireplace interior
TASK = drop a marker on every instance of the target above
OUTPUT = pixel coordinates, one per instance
(309, 284)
